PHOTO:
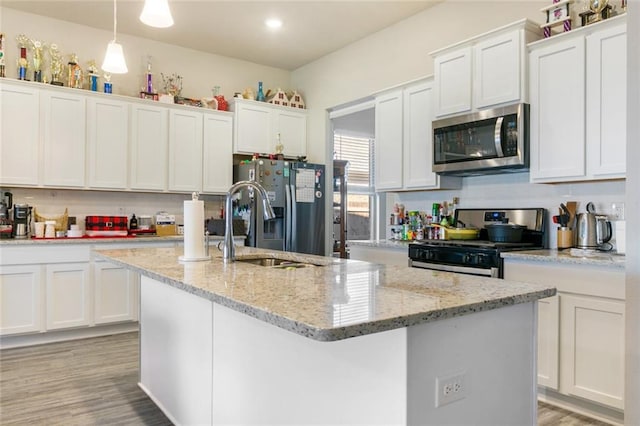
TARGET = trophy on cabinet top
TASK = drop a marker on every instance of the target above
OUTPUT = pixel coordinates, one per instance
(2, 68)
(75, 72)
(56, 64)
(23, 64)
(92, 74)
(37, 59)
(598, 10)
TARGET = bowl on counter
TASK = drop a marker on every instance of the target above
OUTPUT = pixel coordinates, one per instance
(74, 233)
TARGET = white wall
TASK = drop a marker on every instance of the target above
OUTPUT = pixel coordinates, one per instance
(394, 55)
(201, 71)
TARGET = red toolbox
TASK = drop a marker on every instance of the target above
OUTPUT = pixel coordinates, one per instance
(107, 226)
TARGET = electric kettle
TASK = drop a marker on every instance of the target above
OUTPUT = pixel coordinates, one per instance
(593, 231)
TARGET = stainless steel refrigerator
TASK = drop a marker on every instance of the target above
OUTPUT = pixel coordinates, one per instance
(296, 191)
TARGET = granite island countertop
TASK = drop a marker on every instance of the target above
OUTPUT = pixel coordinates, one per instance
(341, 299)
(569, 256)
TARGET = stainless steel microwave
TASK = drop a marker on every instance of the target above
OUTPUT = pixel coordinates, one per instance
(490, 141)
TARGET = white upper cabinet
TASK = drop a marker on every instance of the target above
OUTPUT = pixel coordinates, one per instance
(217, 153)
(185, 151)
(484, 71)
(19, 134)
(253, 128)
(453, 81)
(606, 77)
(292, 127)
(498, 77)
(64, 137)
(108, 143)
(388, 146)
(418, 137)
(149, 147)
(404, 140)
(578, 124)
(257, 125)
(557, 111)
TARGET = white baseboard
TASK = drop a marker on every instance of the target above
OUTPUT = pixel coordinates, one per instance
(581, 406)
(8, 342)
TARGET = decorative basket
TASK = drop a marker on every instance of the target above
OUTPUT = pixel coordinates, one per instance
(62, 221)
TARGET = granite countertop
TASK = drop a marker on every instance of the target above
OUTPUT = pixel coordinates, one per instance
(392, 244)
(102, 240)
(570, 256)
(342, 299)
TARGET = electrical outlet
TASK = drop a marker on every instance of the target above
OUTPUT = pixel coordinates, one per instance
(617, 211)
(450, 388)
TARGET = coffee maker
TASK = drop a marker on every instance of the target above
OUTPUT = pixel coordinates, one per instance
(21, 220)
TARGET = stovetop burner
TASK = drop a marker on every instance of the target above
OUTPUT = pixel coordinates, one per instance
(474, 243)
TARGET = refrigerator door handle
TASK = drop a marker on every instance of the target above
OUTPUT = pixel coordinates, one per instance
(294, 214)
(287, 218)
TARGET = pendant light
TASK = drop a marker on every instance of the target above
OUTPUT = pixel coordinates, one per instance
(114, 59)
(156, 13)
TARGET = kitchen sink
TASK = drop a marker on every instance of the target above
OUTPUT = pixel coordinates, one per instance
(275, 262)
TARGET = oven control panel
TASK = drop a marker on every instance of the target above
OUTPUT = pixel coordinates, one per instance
(495, 216)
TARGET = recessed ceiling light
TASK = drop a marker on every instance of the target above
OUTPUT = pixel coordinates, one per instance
(273, 23)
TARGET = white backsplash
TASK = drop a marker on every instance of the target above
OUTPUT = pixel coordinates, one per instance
(52, 202)
(514, 190)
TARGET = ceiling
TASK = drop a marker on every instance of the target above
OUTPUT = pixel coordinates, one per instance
(311, 29)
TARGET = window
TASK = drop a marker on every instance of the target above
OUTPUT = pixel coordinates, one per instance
(358, 151)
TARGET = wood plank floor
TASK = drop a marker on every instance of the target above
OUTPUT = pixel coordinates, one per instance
(94, 382)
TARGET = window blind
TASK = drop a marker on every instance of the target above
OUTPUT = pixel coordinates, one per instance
(358, 151)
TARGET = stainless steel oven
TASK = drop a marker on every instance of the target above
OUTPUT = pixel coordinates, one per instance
(484, 142)
(480, 256)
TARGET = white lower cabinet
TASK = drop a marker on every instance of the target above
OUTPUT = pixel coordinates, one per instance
(68, 295)
(592, 348)
(61, 287)
(548, 341)
(20, 299)
(580, 331)
(115, 293)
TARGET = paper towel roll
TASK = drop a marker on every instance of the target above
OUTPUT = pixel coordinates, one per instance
(194, 230)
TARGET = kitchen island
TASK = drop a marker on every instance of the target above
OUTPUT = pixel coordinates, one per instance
(334, 342)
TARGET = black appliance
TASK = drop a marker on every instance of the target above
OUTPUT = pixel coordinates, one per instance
(484, 142)
(480, 256)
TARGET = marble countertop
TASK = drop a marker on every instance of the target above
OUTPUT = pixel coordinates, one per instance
(101, 240)
(341, 299)
(392, 244)
(570, 256)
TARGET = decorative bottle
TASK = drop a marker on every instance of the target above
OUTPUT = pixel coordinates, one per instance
(133, 223)
(260, 95)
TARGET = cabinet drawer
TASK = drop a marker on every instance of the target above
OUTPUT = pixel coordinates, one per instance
(588, 280)
(49, 253)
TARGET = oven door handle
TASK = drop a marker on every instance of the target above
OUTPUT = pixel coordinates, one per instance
(493, 272)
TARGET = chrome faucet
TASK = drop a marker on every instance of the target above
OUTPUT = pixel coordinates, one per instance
(228, 250)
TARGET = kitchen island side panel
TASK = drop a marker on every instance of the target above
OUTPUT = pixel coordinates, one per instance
(494, 351)
(175, 351)
(266, 375)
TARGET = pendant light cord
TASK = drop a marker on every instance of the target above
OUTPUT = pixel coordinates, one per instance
(115, 19)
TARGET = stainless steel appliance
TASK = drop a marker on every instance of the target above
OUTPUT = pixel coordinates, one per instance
(480, 256)
(489, 141)
(593, 231)
(21, 220)
(296, 191)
